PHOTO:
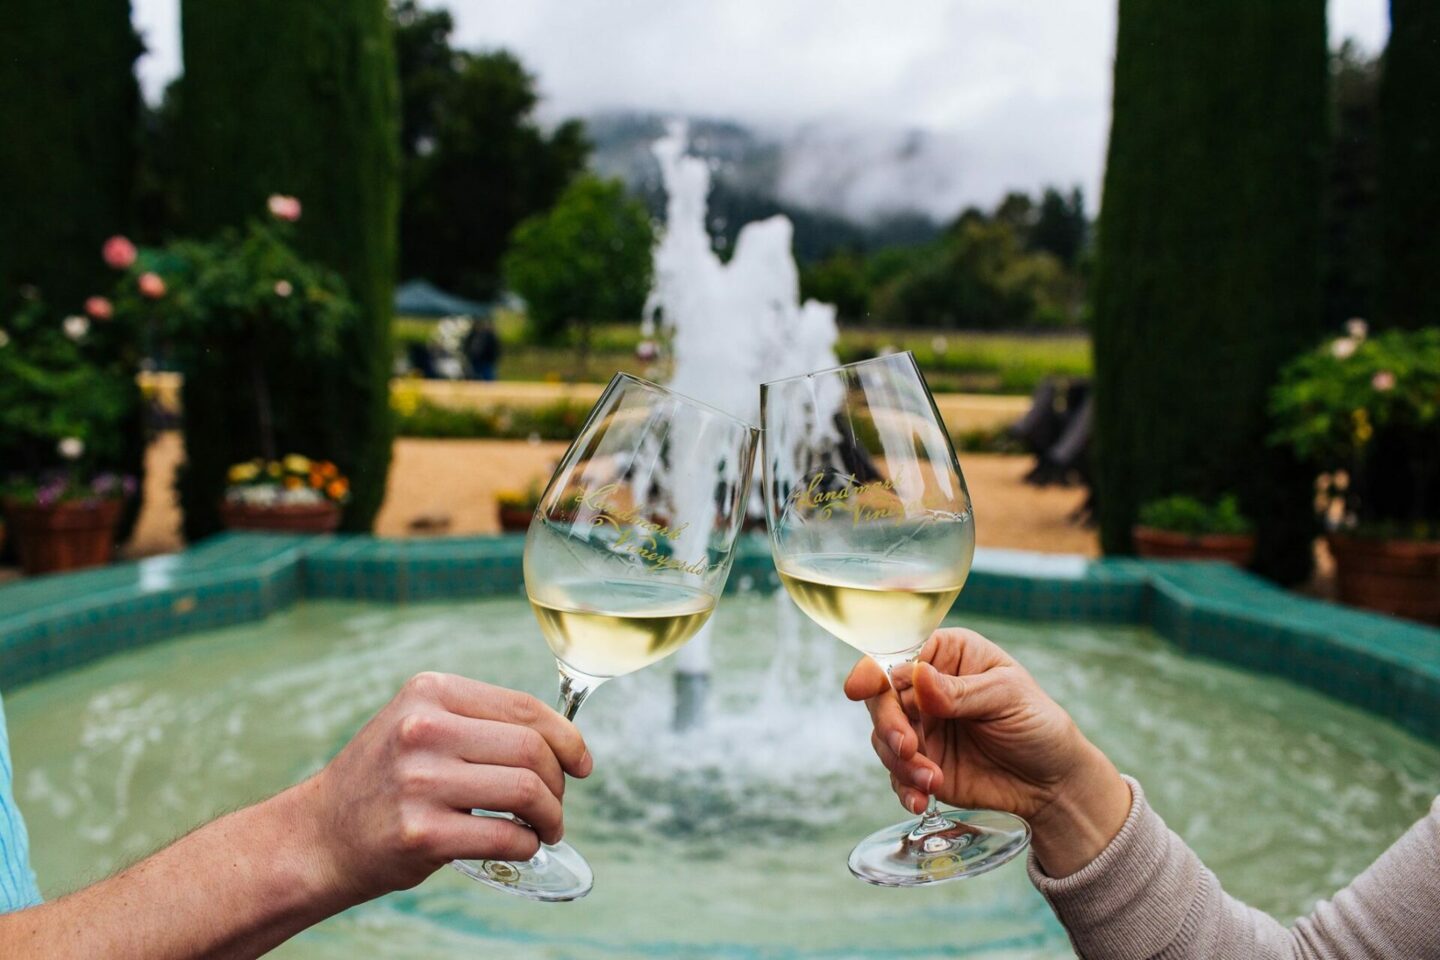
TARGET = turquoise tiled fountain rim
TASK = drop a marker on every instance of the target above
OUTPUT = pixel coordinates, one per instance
(1387, 666)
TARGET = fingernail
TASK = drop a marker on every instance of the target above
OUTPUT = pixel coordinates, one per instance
(897, 740)
(587, 763)
(916, 804)
(926, 780)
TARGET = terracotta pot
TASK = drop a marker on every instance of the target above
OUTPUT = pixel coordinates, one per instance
(1236, 548)
(67, 536)
(515, 519)
(1400, 577)
(286, 518)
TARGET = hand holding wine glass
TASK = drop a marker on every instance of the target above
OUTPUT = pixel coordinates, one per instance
(993, 738)
(628, 551)
(873, 534)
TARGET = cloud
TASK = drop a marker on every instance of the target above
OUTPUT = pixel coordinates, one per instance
(1005, 93)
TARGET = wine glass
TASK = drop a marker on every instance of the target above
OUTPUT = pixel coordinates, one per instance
(873, 535)
(625, 558)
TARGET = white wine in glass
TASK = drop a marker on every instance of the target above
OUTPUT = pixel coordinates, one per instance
(627, 553)
(873, 533)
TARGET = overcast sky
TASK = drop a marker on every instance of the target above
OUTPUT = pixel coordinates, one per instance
(1020, 92)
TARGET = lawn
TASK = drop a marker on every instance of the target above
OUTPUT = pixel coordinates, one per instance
(954, 362)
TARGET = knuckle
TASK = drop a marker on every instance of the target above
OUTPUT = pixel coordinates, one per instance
(415, 833)
(417, 729)
(426, 685)
(525, 709)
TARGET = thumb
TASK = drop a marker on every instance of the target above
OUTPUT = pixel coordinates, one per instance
(978, 696)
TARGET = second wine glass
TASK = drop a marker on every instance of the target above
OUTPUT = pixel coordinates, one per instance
(627, 553)
(873, 534)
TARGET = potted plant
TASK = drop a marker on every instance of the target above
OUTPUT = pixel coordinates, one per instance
(1364, 413)
(64, 523)
(1187, 528)
(516, 507)
(293, 494)
(67, 418)
(249, 293)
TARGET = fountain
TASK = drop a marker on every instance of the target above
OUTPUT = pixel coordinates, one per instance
(731, 326)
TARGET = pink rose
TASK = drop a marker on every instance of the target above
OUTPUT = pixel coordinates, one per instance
(1383, 381)
(118, 253)
(151, 286)
(284, 208)
(99, 308)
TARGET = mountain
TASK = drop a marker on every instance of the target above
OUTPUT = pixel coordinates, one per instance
(757, 174)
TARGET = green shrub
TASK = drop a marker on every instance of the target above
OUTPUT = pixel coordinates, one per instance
(248, 296)
(1194, 517)
(1365, 411)
(418, 417)
(65, 379)
(300, 99)
(71, 120)
(1208, 271)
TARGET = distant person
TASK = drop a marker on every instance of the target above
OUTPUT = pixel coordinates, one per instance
(390, 809)
(482, 349)
(1124, 886)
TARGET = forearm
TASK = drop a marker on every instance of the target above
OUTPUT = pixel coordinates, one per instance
(234, 888)
(1147, 895)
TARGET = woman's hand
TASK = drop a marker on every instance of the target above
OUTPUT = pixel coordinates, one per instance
(992, 739)
(394, 804)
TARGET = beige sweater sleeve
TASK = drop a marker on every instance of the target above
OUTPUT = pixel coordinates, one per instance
(1148, 896)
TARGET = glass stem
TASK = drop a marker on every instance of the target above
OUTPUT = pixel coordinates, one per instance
(574, 688)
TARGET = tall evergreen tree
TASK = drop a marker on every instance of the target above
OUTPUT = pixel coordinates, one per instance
(1410, 167)
(301, 99)
(1209, 259)
(70, 116)
(70, 122)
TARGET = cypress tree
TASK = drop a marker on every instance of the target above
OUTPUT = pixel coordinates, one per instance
(70, 116)
(1410, 167)
(1208, 274)
(299, 99)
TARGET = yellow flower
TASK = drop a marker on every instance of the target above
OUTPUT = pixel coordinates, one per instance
(405, 400)
(244, 472)
(273, 468)
(1363, 430)
(295, 463)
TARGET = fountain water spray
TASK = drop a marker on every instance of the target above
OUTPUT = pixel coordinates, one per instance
(731, 326)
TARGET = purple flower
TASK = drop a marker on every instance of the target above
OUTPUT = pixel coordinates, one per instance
(104, 484)
(127, 484)
(50, 492)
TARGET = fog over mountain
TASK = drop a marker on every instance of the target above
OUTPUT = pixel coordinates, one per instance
(866, 174)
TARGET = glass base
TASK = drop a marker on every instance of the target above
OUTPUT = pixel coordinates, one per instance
(556, 874)
(952, 845)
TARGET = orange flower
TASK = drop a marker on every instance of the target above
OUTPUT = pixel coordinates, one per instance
(316, 480)
(337, 489)
(292, 483)
(328, 470)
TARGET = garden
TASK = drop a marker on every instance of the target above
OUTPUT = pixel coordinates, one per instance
(346, 350)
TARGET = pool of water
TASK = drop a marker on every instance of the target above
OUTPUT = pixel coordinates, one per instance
(724, 842)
